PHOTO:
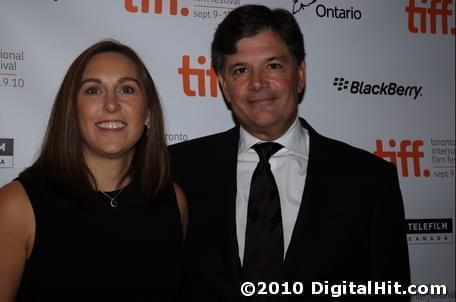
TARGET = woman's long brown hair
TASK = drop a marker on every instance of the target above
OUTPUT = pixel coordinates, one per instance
(61, 153)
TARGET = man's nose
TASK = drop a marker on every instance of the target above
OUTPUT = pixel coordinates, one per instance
(258, 80)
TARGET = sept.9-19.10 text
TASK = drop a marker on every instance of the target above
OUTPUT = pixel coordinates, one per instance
(11, 82)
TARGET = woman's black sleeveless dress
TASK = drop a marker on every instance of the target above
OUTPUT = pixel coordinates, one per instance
(132, 252)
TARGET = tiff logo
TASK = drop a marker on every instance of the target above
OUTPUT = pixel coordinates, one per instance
(408, 150)
(134, 6)
(200, 77)
(437, 8)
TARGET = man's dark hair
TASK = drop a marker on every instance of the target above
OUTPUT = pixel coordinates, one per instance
(249, 20)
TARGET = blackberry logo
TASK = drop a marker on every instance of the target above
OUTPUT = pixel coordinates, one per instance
(341, 83)
(383, 88)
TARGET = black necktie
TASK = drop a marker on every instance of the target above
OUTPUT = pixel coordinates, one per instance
(263, 255)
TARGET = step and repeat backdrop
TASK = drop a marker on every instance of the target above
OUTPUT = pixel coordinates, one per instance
(380, 76)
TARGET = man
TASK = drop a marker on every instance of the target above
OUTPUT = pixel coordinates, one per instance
(327, 212)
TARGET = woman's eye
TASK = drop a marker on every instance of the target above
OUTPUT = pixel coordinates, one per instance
(92, 90)
(127, 89)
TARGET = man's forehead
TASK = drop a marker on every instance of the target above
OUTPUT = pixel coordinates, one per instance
(266, 36)
(259, 48)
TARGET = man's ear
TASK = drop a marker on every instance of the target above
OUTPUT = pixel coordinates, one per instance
(301, 77)
(223, 86)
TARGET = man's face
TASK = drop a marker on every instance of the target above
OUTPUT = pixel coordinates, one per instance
(261, 82)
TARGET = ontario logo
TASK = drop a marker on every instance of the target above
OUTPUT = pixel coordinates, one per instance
(383, 88)
(301, 5)
(323, 11)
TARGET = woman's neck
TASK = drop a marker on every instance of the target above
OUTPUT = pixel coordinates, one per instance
(109, 173)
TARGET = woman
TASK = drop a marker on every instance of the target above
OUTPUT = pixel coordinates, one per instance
(96, 216)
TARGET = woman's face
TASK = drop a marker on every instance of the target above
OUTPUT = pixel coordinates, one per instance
(111, 107)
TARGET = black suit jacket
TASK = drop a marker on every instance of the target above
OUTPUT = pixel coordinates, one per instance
(350, 225)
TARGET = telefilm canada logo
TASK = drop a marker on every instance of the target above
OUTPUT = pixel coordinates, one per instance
(382, 88)
(6, 152)
(430, 231)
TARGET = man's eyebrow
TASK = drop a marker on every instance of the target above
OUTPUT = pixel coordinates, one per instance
(235, 65)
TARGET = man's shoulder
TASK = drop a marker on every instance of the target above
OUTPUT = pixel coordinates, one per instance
(339, 153)
(209, 142)
(202, 155)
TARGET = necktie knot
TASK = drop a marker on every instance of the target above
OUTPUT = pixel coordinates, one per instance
(266, 150)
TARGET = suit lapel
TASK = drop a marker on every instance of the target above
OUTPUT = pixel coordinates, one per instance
(297, 249)
(229, 147)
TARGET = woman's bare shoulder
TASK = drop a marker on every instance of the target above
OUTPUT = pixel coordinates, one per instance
(17, 231)
(16, 213)
(13, 197)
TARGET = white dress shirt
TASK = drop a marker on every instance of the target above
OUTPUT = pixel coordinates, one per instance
(289, 167)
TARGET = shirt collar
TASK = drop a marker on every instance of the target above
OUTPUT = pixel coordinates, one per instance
(295, 140)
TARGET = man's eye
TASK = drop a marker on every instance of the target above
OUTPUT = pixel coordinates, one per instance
(275, 66)
(240, 70)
